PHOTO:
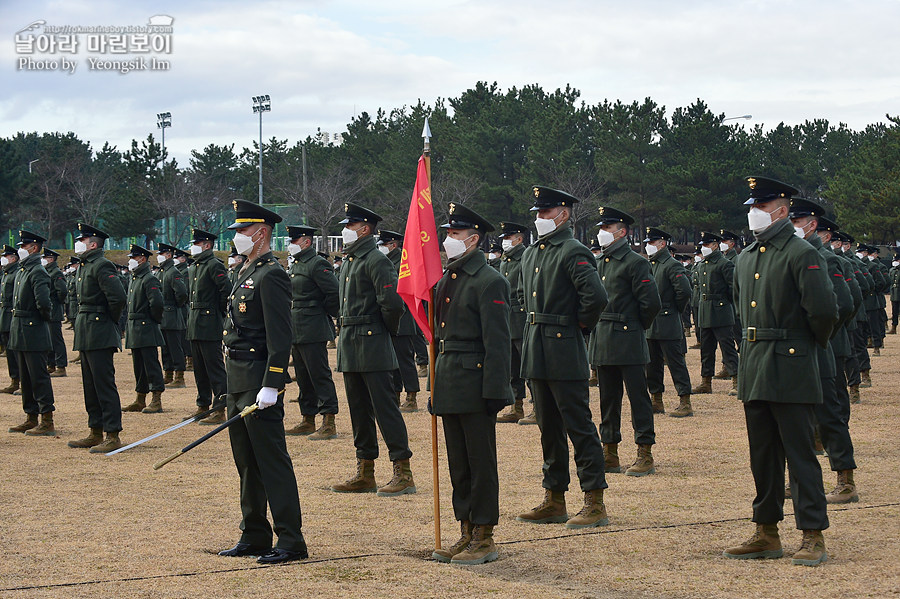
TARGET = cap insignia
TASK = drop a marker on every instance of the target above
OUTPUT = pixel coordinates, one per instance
(537, 192)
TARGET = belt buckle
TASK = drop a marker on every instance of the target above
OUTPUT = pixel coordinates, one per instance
(441, 346)
(703, 297)
(751, 333)
(531, 318)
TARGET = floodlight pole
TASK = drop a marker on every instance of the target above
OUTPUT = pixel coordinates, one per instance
(261, 104)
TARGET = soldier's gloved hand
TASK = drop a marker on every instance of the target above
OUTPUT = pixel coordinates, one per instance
(493, 406)
(267, 397)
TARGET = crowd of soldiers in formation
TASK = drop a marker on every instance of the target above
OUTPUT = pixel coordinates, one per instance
(662, 295)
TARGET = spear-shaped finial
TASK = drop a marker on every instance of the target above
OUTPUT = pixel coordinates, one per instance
(426, 135)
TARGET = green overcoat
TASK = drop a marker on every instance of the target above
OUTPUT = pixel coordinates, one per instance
(714, 278)
(101, 299)
(471, 303)
(314, 297)
(674, 287)
(786, 305)
(619, 337)
(175, 296)
(370, 309)
(511, 269)
(563, 298)
(32, 307)
(7, 289)
(208, 291)
(59, 291)
(145, 309)
(408, 324)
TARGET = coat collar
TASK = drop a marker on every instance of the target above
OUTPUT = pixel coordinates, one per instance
(250, 267)
(778, 235)
(140, 271)
(662, 256)
(514, 253)
(306, 255)
(557, 236)
(91, 255)
(618, 249)
(204, 256)
(361, 247)
(470, 264)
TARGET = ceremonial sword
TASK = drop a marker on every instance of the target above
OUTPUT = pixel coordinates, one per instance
(243, 413)
(174, 427)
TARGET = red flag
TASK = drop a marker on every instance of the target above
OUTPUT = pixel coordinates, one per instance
(420, 266)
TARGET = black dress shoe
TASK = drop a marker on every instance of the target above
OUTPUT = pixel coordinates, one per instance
(245, 549)
(277, 556)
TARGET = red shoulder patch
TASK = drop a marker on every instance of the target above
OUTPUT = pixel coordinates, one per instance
(221, 274)
(581, 263)
(839, 275)
(501, 302)
(390, 285)
(645, 280)
(813, 267)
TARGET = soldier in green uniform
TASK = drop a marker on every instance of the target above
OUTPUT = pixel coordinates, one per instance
(729, 248)
(833, 414)
(71, 296)
(29, 336)
(209, 289)
(10, 265)
(101, 299)
(390, 243)
(172, 326)
(786, 302)
(471, 385)
(878, 317)
(146, 310)
(314, 300)
(665, 338)
(618, 348)
(563, 298)
(894, 276)
(57, 357)
(514, 239)
(494, 253)
(715, 313)
(861, 336)
(695, 292)
(258, 346)
(181, 263)
(370, 312)
(858, 287)
(235, 263)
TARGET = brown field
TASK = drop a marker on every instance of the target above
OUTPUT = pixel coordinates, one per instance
(81, 525)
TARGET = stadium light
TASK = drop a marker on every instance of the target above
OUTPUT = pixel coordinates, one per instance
(261, 104)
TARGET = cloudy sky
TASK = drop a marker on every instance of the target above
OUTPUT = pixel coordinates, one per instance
(324, 61)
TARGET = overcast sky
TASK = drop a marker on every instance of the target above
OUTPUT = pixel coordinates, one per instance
(322, 61)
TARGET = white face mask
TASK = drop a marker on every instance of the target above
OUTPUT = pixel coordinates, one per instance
(604, 238)
(231, 260)
(160, 258)
(544, 225)
(243, 243)
(706, 251)
(507, 244)
(723, 247)
(23, 253)
(895, 263)
(698, 259)
(132, 264)
(384, 249)
(4, 261)
(455, 247)
(759, 220)
(44, 262)
(294, 249)
(859, 255)
(196, 249)
(80, 247)
(651, 249)
(871, 258)
(799, 232)
(493, 256)
(836, 246)
(348, 236)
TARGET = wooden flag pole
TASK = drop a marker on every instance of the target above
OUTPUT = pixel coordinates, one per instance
(435, 474)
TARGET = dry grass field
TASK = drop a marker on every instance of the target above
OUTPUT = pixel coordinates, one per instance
(81, 525)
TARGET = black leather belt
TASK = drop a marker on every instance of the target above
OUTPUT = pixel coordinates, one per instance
(538, 318)
(245, 354)
(471, 347)
(351, 320)
(753, 334)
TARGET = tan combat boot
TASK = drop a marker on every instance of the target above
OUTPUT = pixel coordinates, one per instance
(733, 392)
(155, 406)
(77, 359)
(12, 387)
(854, 393)
(177, 381)
(684, 408)
(705, 385)
(611, 458)
(844, 492)
(593, 381)
(516, 413)
(363, 482)
(892, 330)
(51, 368)
(189, 364)
(764, 543)
(658, 405)
(643, 465)
(59, 373)
(423, 373)
(327, 431)
(45, 428)
(552, 509)
(401, 484)
(139, 403)
(866, 380)
(217, 417)
(31, 421)
(409, 406)
(465, 535)
(168, 377)
(876, 352)
(95, 437)
(530, 419)
(812, 549)
(109, 444)
(481, 548)
(306, 427)
(592, 514)
(722, 374)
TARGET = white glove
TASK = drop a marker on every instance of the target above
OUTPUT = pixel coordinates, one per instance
(267, 397)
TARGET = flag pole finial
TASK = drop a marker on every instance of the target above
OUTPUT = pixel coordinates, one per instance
(426, 135)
